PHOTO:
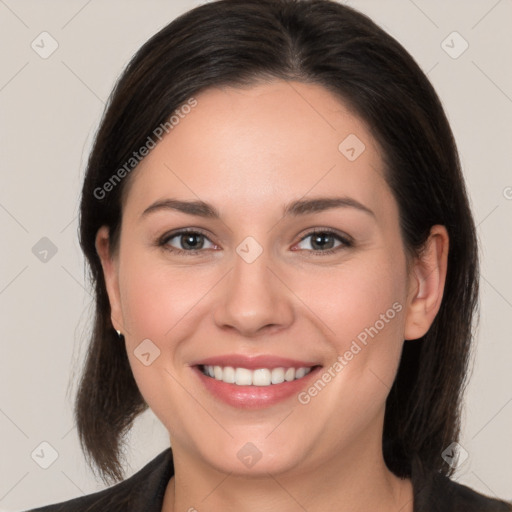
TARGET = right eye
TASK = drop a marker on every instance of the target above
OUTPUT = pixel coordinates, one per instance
(186, 242)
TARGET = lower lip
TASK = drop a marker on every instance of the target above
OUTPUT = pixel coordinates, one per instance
(254, 397)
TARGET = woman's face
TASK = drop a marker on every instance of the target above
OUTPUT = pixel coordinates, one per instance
(295, 261)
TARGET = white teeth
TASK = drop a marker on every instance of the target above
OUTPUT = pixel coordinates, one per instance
(300, 372)
(228, 375)
(289, 374)
(259, 377)
(277, 375)
(243, 377)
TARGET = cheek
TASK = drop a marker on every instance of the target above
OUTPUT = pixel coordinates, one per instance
(363, 307)
(162, 304)
(157, 298)
(354, 299)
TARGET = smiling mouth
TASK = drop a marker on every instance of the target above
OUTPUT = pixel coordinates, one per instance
(258, 377)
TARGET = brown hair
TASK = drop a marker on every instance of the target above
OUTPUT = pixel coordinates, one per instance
(239, 42)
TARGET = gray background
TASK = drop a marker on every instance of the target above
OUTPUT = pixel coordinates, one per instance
(50, 108)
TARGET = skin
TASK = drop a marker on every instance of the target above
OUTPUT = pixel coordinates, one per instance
(249, 152)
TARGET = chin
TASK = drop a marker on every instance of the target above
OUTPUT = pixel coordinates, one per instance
(255, 459)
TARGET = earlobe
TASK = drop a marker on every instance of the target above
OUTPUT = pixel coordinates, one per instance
(110, 274)
(427, 281)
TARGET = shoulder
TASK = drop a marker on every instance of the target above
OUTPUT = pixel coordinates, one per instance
(445, 495)
(142, 491)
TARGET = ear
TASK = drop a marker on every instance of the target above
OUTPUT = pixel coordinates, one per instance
(426, 284)
(111, 275)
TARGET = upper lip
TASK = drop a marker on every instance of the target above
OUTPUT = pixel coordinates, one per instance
(253, 362)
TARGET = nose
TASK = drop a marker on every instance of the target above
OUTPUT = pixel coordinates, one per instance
(254, 299)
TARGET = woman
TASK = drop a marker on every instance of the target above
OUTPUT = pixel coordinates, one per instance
(285, 266)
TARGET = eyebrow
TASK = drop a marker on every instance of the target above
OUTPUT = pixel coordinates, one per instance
(294, 209)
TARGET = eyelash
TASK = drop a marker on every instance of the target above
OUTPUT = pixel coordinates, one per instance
(164, 240)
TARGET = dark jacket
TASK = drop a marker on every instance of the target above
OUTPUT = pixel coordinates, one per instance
(144, 492)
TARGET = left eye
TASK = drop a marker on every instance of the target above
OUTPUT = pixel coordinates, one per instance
(323, 241)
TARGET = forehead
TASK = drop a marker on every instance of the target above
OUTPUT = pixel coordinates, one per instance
(261, 146)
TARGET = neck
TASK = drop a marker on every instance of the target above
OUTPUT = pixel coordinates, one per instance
(356, 481)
